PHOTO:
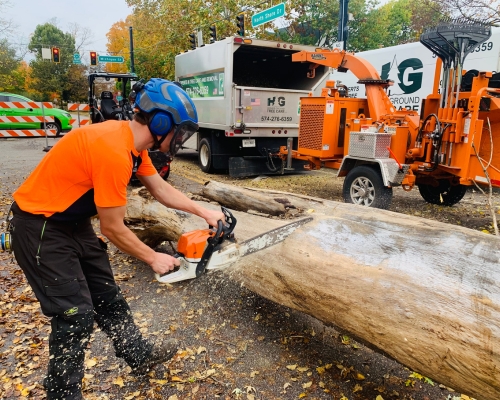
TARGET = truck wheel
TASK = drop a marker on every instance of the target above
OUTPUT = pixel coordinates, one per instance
(363, 185)
(205, 156)
(445, 194)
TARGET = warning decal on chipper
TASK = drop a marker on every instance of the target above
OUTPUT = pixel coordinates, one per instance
(206, 85)
(318, 56)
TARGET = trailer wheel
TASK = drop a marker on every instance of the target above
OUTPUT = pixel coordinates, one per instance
(205, 156)
(364, 186)
(445, 194)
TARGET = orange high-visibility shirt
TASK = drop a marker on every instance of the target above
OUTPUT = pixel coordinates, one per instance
(90, 166)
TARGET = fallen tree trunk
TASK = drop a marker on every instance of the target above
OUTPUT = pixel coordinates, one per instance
(151, 221)
(423, 292)
(241, 199)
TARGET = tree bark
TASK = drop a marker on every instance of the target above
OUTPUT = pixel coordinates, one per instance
(423, 292)
(152, 222)
(241, 199)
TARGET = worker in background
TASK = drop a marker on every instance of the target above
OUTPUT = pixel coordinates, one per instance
(84, 174)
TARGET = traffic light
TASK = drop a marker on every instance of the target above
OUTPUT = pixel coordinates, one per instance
(55, 55)
(93, 58)
(192, 40)
(240, 23)
(213, 34)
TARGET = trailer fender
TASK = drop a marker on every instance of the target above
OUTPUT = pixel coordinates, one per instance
(392, 174)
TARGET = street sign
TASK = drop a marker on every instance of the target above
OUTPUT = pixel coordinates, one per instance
(76, 58)
(46, 54)
(338, 45)
(110, 59)
(268, 15)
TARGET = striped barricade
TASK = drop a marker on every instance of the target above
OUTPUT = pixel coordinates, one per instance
(29, 118)
(78, 107)
(17, 133)
(25, 104)
(75, 124)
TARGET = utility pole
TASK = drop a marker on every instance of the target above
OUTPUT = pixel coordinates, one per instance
(343, 20)
(131, 36)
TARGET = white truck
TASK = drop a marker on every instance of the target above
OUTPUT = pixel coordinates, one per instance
(247, 93)
(411, 66)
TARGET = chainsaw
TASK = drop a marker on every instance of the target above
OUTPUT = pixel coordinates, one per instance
(216, 247)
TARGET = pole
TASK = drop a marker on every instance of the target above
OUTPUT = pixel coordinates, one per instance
(131, 36)
(45, 126)
(343, 20)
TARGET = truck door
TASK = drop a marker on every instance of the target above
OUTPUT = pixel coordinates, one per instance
(269, 112)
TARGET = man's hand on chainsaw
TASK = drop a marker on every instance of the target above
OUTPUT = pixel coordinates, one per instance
(212, 216)
(164, 263)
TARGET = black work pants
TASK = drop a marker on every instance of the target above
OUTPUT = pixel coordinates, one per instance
(71, 276)
(63, 262)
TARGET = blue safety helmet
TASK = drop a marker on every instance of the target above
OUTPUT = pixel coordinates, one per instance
(168, 106)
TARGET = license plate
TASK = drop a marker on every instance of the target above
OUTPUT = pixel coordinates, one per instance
(248, 142)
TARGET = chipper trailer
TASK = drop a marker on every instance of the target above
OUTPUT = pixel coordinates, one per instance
(453, 144)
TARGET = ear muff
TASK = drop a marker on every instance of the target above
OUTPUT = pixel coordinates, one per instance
(160, 124)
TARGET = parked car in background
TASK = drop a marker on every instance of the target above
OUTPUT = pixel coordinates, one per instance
(61, 118)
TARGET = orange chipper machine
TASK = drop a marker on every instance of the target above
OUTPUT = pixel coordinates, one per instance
(453, 144)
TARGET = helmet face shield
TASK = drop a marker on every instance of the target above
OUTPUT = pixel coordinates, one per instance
(182, 133)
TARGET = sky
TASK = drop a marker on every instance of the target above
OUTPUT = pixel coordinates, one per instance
(98, 15)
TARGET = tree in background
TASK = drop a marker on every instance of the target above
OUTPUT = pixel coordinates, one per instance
(20, 78)
(161, 27)
(9, 61)
(77, 87)
(309, 22)
(50, 78)
(5, 24)
(474, 10)
(399, 22)
(8, 64)
(119, 44)
(372, 26)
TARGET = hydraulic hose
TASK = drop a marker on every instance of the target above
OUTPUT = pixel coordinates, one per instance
(270, 163)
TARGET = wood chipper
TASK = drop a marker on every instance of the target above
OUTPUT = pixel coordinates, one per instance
(453, 144)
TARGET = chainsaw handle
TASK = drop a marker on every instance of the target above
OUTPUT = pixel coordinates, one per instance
(224, 230)
(230, 220)
(176, 268)
(220, 228)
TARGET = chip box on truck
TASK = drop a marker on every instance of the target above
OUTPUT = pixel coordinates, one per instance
(247, 93)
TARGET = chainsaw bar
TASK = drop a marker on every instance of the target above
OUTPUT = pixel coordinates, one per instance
(229, 254)
(270, 238)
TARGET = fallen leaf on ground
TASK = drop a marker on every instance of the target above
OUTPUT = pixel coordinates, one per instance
(118, 381)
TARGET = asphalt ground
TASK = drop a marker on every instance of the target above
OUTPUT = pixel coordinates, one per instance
(234, 344)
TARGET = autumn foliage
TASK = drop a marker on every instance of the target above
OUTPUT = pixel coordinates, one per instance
(119, 44)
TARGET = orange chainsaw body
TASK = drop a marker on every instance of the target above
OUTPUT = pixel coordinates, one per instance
(192, 244)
